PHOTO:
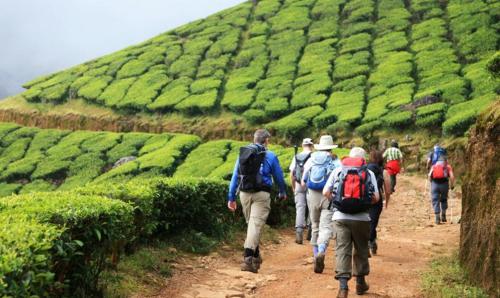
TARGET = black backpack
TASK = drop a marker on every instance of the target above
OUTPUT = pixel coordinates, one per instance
(379, 175)
(250, 160)
(300, 161)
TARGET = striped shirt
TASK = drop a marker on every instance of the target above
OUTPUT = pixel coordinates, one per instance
(393, 153)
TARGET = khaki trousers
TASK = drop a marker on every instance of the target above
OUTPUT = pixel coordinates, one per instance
(351, 233)
(256, 208)
(321, 217)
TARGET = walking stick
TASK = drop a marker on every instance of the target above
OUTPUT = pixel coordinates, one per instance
(452, 195)
(425, 195)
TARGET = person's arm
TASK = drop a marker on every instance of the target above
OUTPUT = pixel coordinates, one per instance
(373, 182)
(401, 160)
(328, 189)
(387, 187)
(428, 164)
(305, 174)
(231, 204)
(292, 174)
(277, 173)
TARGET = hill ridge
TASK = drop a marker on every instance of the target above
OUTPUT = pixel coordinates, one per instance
(301, 65)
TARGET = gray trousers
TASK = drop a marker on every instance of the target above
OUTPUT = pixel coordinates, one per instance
(321, 217)
(300, 207)
(351, 248)
(439, 195)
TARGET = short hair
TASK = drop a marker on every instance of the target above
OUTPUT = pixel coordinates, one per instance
(357, 152)
(260, 136)
(376, 157)
(394, 144)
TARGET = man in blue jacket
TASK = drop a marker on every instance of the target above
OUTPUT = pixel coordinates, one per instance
(253, 176)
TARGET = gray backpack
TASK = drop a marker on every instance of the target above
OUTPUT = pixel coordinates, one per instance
(300, 161)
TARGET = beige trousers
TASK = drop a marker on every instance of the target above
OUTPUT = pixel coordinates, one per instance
(321, 217)
(256, 208)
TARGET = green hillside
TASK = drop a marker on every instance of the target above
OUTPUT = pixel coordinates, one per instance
(298, 64)
(33, 159)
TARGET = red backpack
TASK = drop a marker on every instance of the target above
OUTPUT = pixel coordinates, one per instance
(440, 170)
(352, 194)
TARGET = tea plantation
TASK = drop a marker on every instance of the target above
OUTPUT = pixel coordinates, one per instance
(39, 160)
(295, 65)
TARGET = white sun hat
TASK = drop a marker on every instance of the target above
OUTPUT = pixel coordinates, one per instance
(325, 143)
(307, 141)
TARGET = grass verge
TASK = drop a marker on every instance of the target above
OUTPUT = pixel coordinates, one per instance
(447, 279)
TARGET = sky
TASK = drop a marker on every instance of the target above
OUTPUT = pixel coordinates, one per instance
(42, 36)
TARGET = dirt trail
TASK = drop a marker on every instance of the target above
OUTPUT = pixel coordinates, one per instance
(407, 241)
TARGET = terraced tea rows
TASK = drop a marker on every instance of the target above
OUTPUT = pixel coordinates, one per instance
(311, 63)
(33, 159)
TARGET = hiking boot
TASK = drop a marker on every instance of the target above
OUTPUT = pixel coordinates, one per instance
(443, 217)
(342, 293)
(438, 219)
(257, 261)
(361, 288)
(248, 265)
(319, 262)
(299, 235)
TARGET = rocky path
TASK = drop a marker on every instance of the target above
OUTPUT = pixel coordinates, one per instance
(407, 241)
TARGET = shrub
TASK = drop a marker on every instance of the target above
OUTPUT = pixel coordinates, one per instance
(144, 90)
(355, 43)
(14, 152)
(439, 107)
(294, 123)
(398, 119)
(21, 168)
(115, 92)
(129, 146)
(167, 158)
(238, 100)
(37, 186)
(276, 107)
(210, 66)
(184, 66)
(172, 94)
(291, 18)
(202, 85)
(198, 165)
(430, 120)
(255, 116)
(77, 249)
(94, 87)
(7, 189)
(133, 68)
(14, 135)
(266, 9)
(199, 103)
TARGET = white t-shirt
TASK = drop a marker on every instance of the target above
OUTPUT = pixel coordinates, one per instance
(298, 186)
(332, 183)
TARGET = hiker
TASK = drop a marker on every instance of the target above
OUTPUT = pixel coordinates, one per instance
(316, 172)
(437, 154)
(353, 189)
(296, 173)
(376, 165)
(253, 175)
(394, 158)
(442, 179)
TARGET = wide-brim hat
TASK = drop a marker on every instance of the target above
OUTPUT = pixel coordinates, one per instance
(325, 143)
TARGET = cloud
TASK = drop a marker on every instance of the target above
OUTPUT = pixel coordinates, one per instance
(40, 37)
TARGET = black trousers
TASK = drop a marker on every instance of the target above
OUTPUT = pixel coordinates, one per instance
(375, 212)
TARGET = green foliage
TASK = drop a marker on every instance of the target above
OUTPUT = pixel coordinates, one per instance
(446, 278)
(461, 116)
(255, 115)
(291, 18)
(37, 186)
(144, 90)
(238, 100)
(199, 103)
(397, 120)
(294, 123)
(94, 87)
(204, 159)
(115, 92)
(172, 94)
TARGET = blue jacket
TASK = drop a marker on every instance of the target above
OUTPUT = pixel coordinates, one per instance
(270, 170)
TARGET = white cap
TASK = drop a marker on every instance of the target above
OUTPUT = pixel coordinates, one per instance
(357, 152)
(307, 141)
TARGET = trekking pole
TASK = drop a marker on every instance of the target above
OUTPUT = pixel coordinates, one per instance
(425, 195)
(452, 196)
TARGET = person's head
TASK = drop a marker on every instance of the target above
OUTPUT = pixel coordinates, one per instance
(394, 144)
(357, 152)
(325, 144)
(307, 144)
(261, 136)
(376, 157)
(437, 146)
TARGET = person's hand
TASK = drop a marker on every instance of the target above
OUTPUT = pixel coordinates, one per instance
(402, 170)
(232, 205)
(282, 196)
(452, 187)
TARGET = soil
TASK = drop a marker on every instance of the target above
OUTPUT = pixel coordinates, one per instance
(407, 241)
